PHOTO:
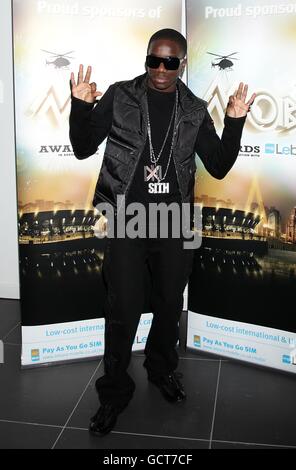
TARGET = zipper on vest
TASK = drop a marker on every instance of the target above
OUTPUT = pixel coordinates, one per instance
(134, 171)
(176, 167)
(139, 155)
(175, 134)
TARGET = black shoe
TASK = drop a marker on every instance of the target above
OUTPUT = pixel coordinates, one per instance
(170, 387)
(105, 419)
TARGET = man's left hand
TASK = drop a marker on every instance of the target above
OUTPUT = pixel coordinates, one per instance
(237, 106)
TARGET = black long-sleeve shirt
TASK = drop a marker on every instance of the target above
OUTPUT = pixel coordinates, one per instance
(90, 124)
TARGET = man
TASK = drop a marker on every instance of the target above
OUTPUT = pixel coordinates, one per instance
(155, 125)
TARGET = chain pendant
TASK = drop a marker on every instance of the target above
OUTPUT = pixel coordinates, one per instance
(153, 174)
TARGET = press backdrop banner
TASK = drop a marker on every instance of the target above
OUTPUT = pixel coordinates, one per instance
(62, 292)
(242, 289)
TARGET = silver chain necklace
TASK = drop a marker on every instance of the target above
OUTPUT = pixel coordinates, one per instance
(154, 159)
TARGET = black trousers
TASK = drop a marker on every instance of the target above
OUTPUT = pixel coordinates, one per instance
(169, 265)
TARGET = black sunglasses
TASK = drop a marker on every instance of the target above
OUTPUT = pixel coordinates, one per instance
(170, 63)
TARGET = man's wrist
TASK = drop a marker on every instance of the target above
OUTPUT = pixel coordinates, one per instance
(235, 120)
(82, 103)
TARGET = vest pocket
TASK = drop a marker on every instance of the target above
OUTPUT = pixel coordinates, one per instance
(121, 144)
(119, 151)
(119, 158)
(189, 160)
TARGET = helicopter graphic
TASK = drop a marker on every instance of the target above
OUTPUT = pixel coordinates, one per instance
(60, 60)
(223, 61)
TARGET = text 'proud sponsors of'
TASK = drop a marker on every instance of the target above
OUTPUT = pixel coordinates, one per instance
(253, 11)
(81, 8)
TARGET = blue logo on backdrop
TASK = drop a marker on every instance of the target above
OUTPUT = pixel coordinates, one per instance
(197, 341)
(270, 148)
(35, 355)
(287, 360)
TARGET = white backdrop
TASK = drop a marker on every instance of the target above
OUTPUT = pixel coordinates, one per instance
(9, 277)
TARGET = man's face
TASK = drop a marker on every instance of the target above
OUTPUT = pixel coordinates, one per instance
(162, 79)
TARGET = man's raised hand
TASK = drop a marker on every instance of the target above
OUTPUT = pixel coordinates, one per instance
(83, 89)
(237, 105)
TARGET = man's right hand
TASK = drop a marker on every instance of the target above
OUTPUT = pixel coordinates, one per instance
(83, 89)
